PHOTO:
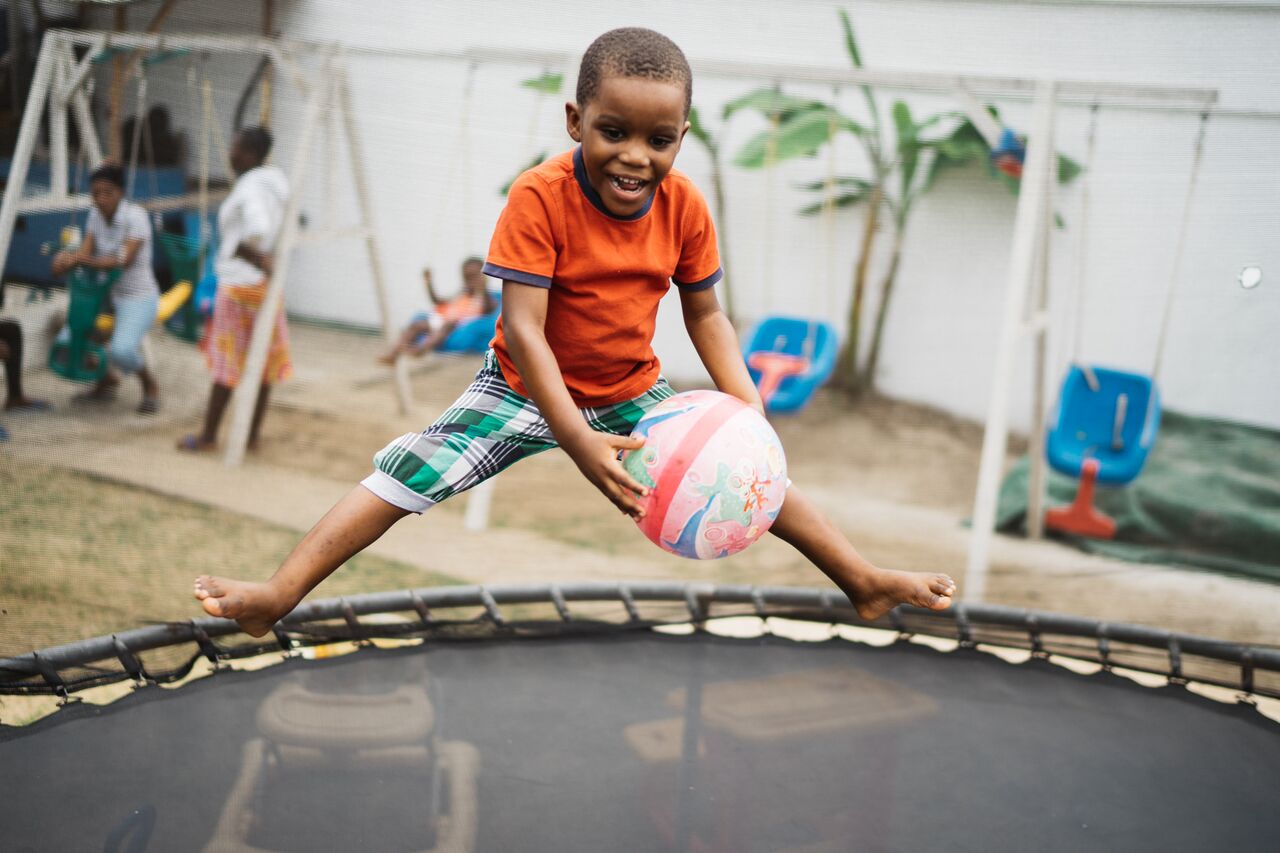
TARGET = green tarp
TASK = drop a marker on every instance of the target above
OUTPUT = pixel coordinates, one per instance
(1208, 497)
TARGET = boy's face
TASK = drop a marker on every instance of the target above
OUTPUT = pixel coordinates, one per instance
(630, 133)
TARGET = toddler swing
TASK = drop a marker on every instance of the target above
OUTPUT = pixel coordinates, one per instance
(1106, 420)
(789, 357)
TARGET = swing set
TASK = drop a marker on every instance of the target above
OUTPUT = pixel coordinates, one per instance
(1105, 421)
(60, 87)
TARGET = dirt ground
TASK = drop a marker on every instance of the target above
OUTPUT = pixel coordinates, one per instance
(897, 478)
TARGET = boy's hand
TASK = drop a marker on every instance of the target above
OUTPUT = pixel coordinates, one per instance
(596, 455)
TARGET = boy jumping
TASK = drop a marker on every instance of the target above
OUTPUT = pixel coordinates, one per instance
(587, 245)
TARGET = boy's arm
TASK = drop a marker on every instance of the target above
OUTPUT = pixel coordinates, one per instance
(524, 315)
(717, 345)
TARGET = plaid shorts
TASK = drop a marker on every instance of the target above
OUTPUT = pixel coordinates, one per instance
(486, 430)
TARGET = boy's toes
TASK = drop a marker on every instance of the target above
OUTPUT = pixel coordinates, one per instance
(943, 585)
(213, 607)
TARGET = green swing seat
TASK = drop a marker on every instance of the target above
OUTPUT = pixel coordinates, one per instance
(76, 356)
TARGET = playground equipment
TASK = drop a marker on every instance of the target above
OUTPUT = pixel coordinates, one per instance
(729, 712)
(1085, 418)
(1106, 420)
(63, 72)
(74, 355)
(790, 357)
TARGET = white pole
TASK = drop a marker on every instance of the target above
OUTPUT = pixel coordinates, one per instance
(27, 134)
(403, 394)
(246, 393)
(58, 126)
(1039, 324)
(476, 516)
(1027, 229)
(84, 125)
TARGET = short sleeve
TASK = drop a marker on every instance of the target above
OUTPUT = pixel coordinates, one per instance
(137, 226)
(699, 264)
(523, 248)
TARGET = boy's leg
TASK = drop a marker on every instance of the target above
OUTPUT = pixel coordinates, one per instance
(487, 429)
(872, 590)
(354, 523)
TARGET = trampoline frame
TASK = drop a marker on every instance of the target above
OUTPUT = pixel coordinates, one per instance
(1041, 634)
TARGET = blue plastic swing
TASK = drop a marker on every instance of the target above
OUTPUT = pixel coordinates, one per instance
(1104, 427)
(788, 358)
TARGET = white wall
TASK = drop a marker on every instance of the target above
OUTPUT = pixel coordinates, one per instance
(435, 184)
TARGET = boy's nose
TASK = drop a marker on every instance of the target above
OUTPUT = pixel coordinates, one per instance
(635, 155)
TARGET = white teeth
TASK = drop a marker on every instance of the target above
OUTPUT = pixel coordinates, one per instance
(626, 184)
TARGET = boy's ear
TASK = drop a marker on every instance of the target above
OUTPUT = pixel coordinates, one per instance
(573, 121)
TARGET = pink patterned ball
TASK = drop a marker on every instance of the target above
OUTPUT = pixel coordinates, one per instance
(716, 473)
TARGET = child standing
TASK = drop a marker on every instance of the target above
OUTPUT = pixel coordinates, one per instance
(586, 247)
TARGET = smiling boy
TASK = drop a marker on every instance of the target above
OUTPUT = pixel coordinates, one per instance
(587, 246)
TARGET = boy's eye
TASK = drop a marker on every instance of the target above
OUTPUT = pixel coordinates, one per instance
(612, 133)
(659, 142)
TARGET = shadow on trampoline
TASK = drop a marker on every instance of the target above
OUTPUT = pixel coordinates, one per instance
(704, 719)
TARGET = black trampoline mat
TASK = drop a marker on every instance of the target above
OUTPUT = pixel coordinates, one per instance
(643, 742)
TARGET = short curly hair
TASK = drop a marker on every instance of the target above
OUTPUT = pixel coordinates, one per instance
(633, 52)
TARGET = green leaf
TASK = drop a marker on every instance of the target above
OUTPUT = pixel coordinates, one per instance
(548, 83)
(770, 101)
(850, 43)
(800, 135)
(840, 181)
(699, 130)
(1068, 169)
(842, 200)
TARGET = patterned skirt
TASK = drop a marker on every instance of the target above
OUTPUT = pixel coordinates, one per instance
(226, 346)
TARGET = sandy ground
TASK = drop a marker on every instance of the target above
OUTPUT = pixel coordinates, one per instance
(898, 479)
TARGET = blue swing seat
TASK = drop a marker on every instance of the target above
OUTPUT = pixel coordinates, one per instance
(813, 340)
(1115, 423)
(473, 336)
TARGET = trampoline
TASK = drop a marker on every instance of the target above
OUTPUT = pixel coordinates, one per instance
(642, 717)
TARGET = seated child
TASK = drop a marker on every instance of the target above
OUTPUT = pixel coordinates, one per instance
(587, 245)
(428, 330)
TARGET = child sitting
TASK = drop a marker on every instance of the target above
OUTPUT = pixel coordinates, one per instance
(587, 245)
(426, 332)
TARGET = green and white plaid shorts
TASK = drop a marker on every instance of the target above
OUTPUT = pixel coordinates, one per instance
(486, 430)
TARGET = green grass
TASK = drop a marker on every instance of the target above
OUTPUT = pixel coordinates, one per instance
(82, 556)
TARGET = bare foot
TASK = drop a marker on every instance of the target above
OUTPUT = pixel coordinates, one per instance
(886, 589)
(254, 606)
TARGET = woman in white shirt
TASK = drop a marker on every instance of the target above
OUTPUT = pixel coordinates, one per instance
(118, 236)
(248, 227)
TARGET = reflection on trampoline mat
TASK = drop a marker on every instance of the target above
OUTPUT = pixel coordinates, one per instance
(641, 742)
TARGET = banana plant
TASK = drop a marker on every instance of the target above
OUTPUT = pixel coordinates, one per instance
(904, 160)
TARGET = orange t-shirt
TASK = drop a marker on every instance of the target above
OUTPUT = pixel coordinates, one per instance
(605, 274)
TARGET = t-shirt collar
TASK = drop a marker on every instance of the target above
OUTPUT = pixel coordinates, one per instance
(584, 184)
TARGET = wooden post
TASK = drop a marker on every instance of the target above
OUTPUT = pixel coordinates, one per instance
(58, 125)
(268, 73)
(246, 393)
(115, 149)
(370, 229)
(1039, 322)
(28, 133)
(1027, 228)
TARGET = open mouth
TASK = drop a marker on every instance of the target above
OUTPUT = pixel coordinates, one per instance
(628, 186)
